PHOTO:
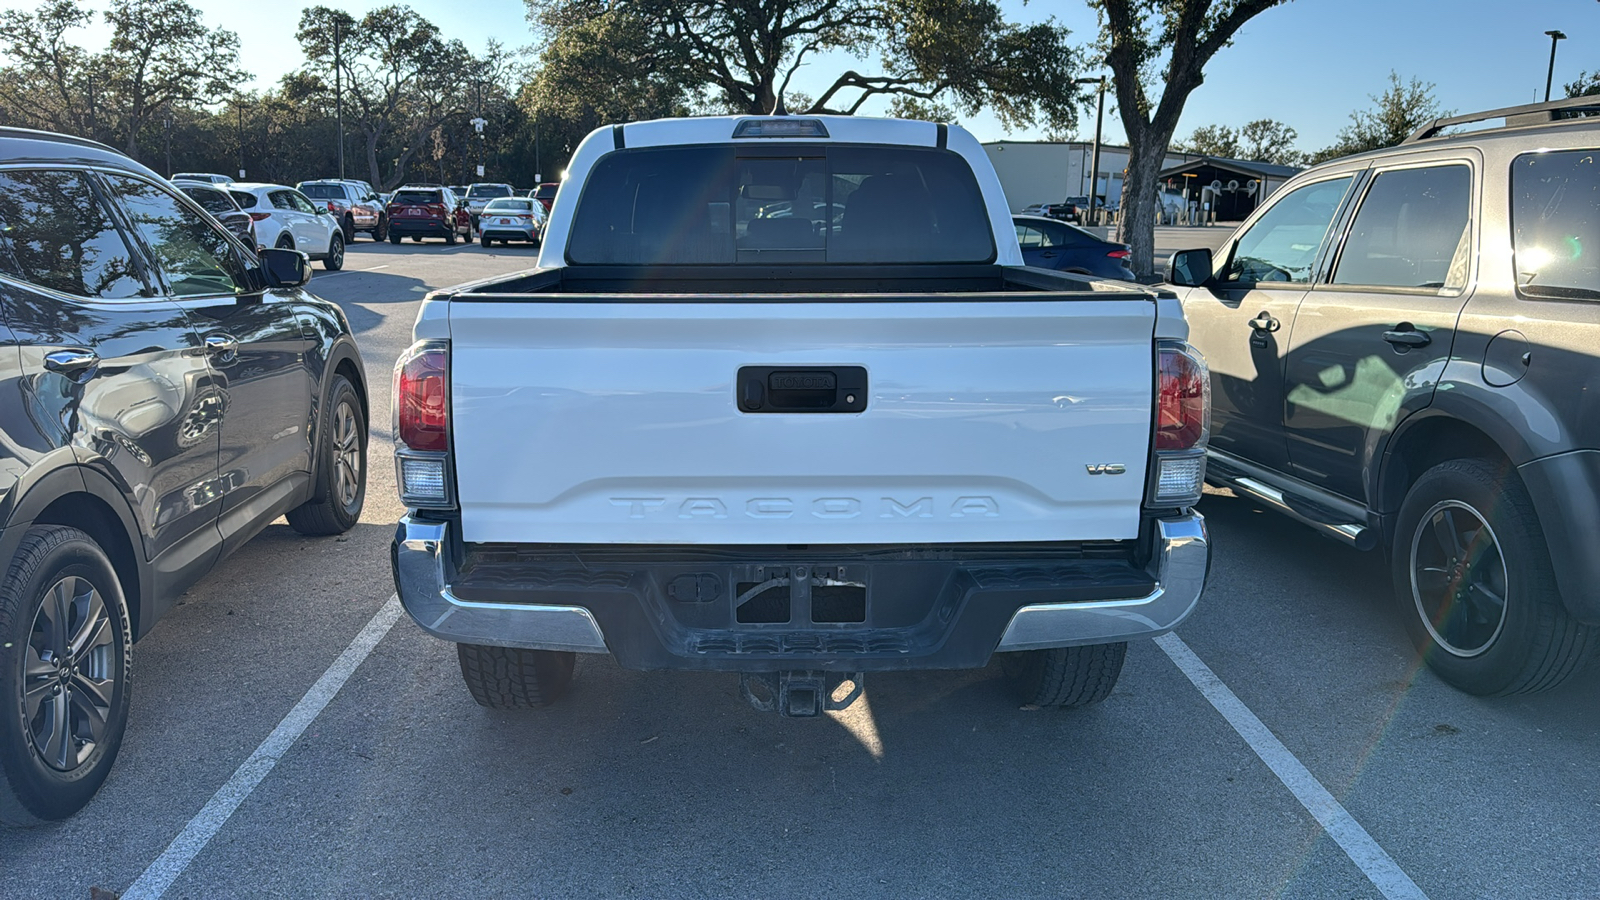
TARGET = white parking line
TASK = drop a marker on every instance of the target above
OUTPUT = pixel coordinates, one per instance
(160, 875)
(347, 272)
(1373, 861)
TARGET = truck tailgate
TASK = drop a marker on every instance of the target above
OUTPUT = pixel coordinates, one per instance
(620, 422)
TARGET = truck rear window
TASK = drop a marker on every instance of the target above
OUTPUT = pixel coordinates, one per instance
(792, 203)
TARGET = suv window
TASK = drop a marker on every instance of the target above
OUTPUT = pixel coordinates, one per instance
(245, 199)
(1281, 246)
(324, 191)
(1555, 223)
(480, 191)
(1411, 230)
(55, 233)
(706, 205)
(210, 199)
(418, 196)
(194, 255)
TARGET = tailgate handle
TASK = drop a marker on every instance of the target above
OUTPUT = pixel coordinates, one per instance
(802, 389)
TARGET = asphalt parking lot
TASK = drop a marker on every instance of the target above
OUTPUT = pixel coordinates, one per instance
(1366, 776)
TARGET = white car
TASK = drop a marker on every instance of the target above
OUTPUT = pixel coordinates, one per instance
(285, 218)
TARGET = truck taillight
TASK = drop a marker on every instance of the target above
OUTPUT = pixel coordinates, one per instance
(1182, 427)
(422, 425)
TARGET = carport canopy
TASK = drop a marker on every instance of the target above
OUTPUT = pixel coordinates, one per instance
(1239, 186)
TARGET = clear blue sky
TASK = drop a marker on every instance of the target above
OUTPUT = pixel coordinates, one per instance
(1307, 63)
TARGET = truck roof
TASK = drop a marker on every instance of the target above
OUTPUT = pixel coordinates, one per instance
(839, 129)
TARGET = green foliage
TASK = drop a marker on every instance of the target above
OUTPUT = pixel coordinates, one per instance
(1401, 109)
(1586, 85)
(1262, 140)
(160, 58)
(614, 61)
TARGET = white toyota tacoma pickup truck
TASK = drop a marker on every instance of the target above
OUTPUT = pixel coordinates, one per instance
(782, 400)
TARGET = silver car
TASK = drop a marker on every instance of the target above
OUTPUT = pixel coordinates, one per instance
(510, 219)
(479, 195)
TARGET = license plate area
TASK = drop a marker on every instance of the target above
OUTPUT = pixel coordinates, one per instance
(800, 595)
(802, 389)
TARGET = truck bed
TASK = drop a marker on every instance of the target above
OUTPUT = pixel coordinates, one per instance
(599, 284)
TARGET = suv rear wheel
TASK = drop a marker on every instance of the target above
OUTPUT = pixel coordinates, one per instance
(1475, 586)
(341, 467)
(334, 261)
(65, 654)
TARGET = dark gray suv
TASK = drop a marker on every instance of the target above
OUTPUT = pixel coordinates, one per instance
(1405, 355)
(164, 395)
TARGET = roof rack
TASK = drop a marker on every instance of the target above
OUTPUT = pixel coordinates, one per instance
(37, 135)
(1515, 116)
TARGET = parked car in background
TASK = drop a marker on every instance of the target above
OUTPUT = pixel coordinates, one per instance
(207, 177)
(286, 219)
(508, 219)
(1049, 244)
(173, 395)
(1071, 209)
(478, 195)
(546, 194)
(421, 211)
(1403, 348)
(354, 204)
(222, 207)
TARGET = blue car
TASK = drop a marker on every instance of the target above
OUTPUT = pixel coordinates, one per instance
(1051, 244)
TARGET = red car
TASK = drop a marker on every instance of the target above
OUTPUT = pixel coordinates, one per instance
(546, 194)
(427, 210)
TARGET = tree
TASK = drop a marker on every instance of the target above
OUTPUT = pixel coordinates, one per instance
(160, 57)
(1397, 112)
(739, 55)
(1212, 140)
(1587, 85)
(41, 90)
(402, 80)
(1173, 42)
(1270, 141)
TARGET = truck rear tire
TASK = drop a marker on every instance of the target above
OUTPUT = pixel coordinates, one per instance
(1065, 676)
(512, 678)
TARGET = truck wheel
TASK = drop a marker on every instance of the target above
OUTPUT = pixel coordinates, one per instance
(348, 229)
(65, 654)
(1475, 586)
(1065, 676)
(511, 678)
(341, 467)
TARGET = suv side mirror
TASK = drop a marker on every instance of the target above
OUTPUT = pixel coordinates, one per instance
(282, 268)
(1190, 268)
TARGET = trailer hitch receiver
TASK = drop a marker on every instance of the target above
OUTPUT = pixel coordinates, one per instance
(800, 693)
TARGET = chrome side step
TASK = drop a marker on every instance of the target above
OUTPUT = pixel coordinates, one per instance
(1232, 474)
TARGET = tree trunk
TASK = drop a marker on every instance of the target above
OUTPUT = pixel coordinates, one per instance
(1137, 222)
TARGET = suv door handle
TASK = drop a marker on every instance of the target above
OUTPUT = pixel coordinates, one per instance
(70, 361)
(221, 344)
(1265, 322)
(1405, 336)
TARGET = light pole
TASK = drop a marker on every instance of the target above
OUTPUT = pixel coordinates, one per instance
(477, 125)
(338, 91)
(1094, 161)
(1550, 75)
